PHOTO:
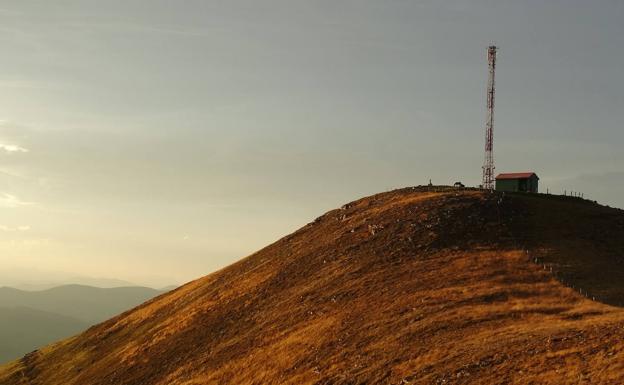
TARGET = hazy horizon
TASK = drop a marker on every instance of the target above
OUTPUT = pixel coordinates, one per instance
(155, 142)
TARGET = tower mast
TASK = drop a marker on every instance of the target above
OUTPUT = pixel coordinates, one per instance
(488, 164)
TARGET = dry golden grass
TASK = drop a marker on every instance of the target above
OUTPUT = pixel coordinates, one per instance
(401, 287)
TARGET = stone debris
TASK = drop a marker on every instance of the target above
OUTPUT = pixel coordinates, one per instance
(374, 229)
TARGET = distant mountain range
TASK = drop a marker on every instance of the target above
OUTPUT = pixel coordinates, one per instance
(40, 286)
(34, 279)
(31, 319)
(23, 329)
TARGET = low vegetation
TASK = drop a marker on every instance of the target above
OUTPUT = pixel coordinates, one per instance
(422, 286)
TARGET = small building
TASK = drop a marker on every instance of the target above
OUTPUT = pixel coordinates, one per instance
(518, 181)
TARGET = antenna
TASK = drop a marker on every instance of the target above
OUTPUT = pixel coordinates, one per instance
(488, 164)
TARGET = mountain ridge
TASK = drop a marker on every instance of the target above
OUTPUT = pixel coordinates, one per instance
(76, 300)
(23, 329)
(32, 319)
(417, 285)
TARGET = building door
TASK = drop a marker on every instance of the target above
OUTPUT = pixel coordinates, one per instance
(523, 185)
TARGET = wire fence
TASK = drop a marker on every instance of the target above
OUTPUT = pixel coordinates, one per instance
(549, 267)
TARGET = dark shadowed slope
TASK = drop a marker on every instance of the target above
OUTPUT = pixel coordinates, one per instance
(583, 242)
(409, 286)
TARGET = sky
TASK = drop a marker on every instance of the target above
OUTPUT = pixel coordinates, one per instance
(156, 141)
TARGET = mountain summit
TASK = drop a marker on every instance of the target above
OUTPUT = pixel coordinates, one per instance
(418, 285)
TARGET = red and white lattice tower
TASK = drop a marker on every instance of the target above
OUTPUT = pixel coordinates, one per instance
(488, 164)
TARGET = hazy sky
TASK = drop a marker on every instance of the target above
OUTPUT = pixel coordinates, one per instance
(155, 141)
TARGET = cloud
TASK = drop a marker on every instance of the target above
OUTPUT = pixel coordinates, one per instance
(18, 228)
(12, 148)
(11, 201)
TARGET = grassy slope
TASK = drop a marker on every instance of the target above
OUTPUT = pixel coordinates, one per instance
(582, 241)
(403, 286)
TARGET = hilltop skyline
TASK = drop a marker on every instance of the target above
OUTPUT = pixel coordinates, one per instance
(155, 142)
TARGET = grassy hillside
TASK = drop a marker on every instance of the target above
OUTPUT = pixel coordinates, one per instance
(581, 241)
(420, 286)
